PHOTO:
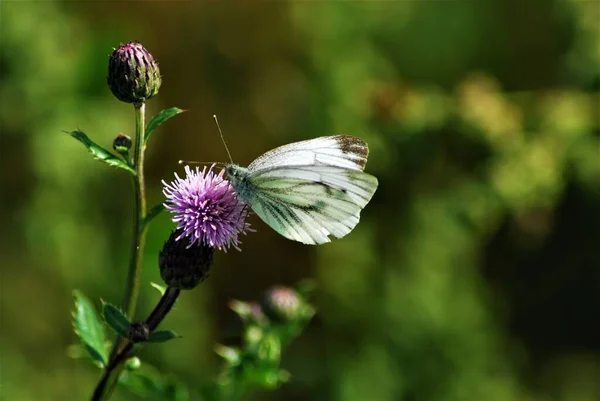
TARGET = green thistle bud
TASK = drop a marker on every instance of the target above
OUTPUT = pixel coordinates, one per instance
(122, 144)
(182, 267)
(282, 304)
(133, 363)
(133, 75)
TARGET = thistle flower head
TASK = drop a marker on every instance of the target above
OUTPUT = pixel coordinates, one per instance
(282, 304)
(183, 266)
(206, 209)
(133, 74)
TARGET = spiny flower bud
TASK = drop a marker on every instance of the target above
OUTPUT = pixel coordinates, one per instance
(183, 266)
(133, 75)
(122, 144)
(281, 304)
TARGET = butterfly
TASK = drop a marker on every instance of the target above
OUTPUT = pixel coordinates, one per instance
(308, 190)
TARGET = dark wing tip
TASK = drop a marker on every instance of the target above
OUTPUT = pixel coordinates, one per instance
(353, 145)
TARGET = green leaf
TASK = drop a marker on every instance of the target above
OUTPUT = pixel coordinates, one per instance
(89, 328)
(243, 309)
(144, 382)
(306, 288)
(232, 356)
(159, 288)
(155, 211)
(149, 383)
(159, 119)
(116, 319)
(99, 152)
(162, 336)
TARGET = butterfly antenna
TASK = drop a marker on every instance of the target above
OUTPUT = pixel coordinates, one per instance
(222, 139)
(206, 163)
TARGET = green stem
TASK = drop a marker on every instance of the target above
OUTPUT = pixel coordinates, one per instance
(107, 383)
(139, 230)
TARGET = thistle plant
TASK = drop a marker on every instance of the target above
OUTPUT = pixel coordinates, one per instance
(208, 218)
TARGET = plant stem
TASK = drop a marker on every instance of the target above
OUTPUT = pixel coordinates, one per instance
(139, 230)
(111, 374)
(121, 346)
(162, 308)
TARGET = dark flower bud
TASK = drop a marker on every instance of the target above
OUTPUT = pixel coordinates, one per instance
(281, 304)
(138, 332)
(133, 75)
(183, 266)
(122, 144)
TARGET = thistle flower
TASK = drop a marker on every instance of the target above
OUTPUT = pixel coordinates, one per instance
(133, 74)
(282, 304)
(206, 209)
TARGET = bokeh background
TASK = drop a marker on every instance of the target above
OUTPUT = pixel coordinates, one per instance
(475, 271)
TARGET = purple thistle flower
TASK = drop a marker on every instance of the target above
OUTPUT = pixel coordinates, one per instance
(206, 208)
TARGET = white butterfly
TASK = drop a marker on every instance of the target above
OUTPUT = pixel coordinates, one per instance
(308, 190)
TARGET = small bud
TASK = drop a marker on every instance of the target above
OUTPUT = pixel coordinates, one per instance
(182, 267)
(281, 304)
(133, 75)
(138, 332)
(133, 363)
(253, 335)
(122, 144)
(270, 349)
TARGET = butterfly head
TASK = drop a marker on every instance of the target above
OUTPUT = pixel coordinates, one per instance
(240, 180)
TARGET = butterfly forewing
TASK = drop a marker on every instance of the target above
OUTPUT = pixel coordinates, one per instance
(342, 151)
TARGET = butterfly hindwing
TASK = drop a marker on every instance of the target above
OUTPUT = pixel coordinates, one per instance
(309, 203)
(323, 182)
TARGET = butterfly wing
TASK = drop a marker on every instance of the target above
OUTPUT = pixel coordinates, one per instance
(309, 203)
(342, 151)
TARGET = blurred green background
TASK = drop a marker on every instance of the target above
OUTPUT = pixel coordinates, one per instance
(475, 272)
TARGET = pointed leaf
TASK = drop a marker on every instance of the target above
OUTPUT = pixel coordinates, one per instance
(159, 119)
(162, 336)
(176, 390)
(144, 382)
(155, 211)
(116, 319)
(306, 288)
(232, 355)
(149, 383)
(89, 328)
(99, 152)
(243, 309)
(159, 288)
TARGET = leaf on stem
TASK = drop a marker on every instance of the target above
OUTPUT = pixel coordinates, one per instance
(232, 356)
(160, 118)
(99, 152)
(116, 319)
(162, 336)
(89, 328)
(149, 383)
(155, 211)
(159, 288)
